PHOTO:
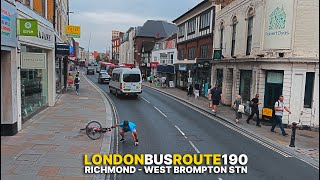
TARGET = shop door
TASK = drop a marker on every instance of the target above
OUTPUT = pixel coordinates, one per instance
(245, 88)
(273, 88)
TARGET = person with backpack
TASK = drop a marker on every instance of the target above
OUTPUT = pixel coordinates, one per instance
(254, 103)
(279, 107)
(77, 83)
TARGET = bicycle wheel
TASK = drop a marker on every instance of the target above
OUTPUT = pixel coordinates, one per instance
(90, 130)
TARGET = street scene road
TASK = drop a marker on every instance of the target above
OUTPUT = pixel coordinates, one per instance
(170, 89)
(163, 123)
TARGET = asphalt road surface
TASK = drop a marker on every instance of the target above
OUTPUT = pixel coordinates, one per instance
(161, 122)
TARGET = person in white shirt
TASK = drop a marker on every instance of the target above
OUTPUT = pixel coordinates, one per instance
(279, 107)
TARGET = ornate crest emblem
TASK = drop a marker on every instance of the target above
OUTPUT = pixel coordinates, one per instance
(277, 19)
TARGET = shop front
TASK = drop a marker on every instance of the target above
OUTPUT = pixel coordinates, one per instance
(202, 72)
(37, 66)
(183, 75)
(10, 115)
(168, 72)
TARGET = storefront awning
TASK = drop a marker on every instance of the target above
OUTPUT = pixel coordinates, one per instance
(186, 62)
(165, 69)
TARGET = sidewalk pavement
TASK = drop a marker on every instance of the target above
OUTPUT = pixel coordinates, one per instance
(51, 145)
(307, 142)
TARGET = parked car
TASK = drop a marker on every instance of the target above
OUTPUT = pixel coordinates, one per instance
(90, 70)
(104, 78)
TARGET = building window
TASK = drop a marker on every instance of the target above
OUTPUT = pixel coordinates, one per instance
(192, 26)
(249, 34)
(205, 20)
(191, 53)
(181, 56)
(171, 58)
(204, 51)
(234, 30)
(308, 92)
(181, 31)
(221, 36)
(25, 2)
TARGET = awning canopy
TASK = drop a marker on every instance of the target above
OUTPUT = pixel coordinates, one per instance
(165, 69)
(186, 62)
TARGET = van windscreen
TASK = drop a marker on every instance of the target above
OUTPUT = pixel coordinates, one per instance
(131, 77)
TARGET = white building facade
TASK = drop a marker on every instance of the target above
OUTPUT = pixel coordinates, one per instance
(164, 53)
(270, 47)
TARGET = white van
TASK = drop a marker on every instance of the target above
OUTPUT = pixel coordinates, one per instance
(126, 81)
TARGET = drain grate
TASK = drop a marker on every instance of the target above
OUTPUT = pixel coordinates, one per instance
(29, 157)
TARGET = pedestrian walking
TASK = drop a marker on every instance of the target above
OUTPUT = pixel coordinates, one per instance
(279, 107)
(215, 96)
(210, 101)
(77, 83)
(196, 90)
(236, 105)
(254, 104)
(190, 90)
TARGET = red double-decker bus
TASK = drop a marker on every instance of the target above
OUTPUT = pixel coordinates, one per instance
(108, 67)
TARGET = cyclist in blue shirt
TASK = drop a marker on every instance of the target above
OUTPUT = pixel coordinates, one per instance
(127, 126)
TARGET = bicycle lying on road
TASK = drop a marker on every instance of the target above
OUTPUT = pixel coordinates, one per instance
(94, 130)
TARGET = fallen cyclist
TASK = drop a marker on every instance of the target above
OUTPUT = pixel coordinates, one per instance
(127, 126)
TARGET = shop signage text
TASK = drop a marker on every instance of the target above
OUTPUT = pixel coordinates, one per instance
(278, 24)
(182, 67)
(33, 60)
(28, 27)
(217, 54)
(62, 49)
(8, 24)
(73, 31)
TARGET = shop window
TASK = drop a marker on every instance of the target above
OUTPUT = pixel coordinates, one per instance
(191, 53)
(234, 31)
(219, 77)
(245, 85)
(308, 93)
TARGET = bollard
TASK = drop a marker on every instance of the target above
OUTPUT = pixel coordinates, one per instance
(293, 134)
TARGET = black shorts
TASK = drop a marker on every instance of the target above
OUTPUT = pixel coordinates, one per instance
(215, 102)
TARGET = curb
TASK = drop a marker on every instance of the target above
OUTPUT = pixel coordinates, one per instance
(106, 100)
(258, 138)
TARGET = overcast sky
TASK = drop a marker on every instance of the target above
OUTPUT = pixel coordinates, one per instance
(100, 17)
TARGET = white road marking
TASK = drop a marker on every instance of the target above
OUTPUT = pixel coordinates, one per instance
(145, 100)
(190, 142)
(160, 112)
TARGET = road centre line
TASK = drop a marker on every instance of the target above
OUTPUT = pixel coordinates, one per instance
(145, 99)
(190, 142)
(160, 111)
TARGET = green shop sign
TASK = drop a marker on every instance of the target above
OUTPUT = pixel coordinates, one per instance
(217, 54)
(27, 27)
